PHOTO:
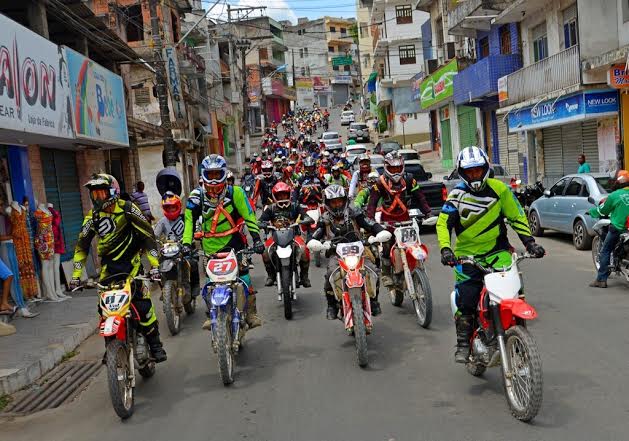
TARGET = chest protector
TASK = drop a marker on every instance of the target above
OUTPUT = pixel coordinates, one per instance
(393, 199)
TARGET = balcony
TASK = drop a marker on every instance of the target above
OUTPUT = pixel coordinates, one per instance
(479, 82)
(560, 71)
(471, 16)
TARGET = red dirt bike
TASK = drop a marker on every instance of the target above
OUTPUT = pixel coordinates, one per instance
(502, 339)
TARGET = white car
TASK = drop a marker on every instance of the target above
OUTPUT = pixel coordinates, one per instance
(354, 151)
(409, 155)
(332, 140)
(347, 117)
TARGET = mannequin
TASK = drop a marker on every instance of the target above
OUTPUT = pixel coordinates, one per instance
(59, 249)
(45, 244)
(22, 243)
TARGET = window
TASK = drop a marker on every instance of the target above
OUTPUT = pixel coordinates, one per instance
(332, 29)
(540, 42)
(263, 53)
(505, 39)
(303, 71)
(142, 96)
(343, 31)
(335, 68)
(403, 14)
(575, 187)
(331, 49)
(559, 187)
(570, 26)
(134, 23)
(306, 52)
(363, 30)
(483, 48)
(307, 71)
(347, 68)
(301, 53)
(407, 54)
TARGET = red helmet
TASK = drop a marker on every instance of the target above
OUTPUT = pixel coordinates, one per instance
(171, 205)
(267, 169)
(281, 194)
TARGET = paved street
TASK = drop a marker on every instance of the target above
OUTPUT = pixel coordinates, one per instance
(298, 380)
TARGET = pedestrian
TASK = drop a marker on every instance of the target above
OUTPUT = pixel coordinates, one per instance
(141, 199)
(584, 167)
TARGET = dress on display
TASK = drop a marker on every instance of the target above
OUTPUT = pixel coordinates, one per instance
(44, 239)
(22, 244)
(7, 254)
(60, 247)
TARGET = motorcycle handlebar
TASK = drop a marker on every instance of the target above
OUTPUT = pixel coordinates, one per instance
(471, 261)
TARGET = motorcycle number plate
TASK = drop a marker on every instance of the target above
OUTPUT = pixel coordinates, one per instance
(222, 267)
(115, 300)
(406, 236)
(350, 249)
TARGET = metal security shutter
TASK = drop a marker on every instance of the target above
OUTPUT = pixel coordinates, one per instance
(589, 133)
(553, 155)
(62, 190)
(503, 143)
(571, 142)
(467, 126)
(446, 144)
(341, 93)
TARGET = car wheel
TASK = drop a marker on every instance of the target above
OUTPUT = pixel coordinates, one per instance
(580, 237)
(534, 223)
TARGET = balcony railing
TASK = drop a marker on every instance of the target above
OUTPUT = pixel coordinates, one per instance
(557, 72)
(479, 81)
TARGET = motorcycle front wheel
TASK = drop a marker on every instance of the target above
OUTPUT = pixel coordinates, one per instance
(119, 378)
(286, 278)
(360, 331)
(170, 293)
(223, 338)
(524, 396)
(423, 303)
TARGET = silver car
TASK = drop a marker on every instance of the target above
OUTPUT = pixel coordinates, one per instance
(563, 207)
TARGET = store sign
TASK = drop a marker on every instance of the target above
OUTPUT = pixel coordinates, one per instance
(439, 85)
(34, 87)
(584, 105)
(342, 61)
(303, 83)
(175, 86)
(342, 79)
(618, 76)
(320, 84)
(503, 93)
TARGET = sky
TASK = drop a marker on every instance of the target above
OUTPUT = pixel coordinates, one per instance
(290, 9)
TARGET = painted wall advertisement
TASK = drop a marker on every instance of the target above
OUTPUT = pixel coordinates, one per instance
(98, 101)
(580, 106)
(416, 82)
(439, 85)
(175, 86)
(503, 92)
(34, 88)
(320, 84)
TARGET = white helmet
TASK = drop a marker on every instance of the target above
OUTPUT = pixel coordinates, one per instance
(473, 167)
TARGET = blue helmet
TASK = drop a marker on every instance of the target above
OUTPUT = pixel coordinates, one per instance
(473, 167)
(214, 174)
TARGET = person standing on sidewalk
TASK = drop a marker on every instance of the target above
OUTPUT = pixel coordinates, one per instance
(141, 199)
(584, 167)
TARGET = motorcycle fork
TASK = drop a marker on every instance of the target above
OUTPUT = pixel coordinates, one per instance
(500, 337)
(407, 274)
(130, 344)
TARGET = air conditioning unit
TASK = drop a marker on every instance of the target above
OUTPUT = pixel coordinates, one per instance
(430, 66)
(450, 50)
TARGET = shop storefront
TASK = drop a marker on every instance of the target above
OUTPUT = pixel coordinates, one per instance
(580, 123)
(446, 137)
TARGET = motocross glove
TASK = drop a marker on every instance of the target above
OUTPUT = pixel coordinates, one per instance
(258, 246)
(535, 249)
(447, 257)
(186, 250)
(155, 275)
(74, 284)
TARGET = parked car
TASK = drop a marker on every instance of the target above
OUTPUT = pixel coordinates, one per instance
(354, 151)
(359, 132)
(409, 155)
(332, 140)
(499, 172)
(347, 117)
(387, 146)
(562, 208)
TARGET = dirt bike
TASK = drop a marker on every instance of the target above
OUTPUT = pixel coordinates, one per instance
(314, 211)
(283, 251)
(619, 258)
(351, 290)
(126, 347)
(501, 337)
(226, 296)
(408, 255)
(180, 285)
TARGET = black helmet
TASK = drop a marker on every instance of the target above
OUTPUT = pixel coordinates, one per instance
(104, 190)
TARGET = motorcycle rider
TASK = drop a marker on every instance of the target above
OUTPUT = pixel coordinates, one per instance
(224, 210)
(616, 206)
(124, 233)
(337, 178)
(278, 167)
(342, 220)
(362, 198)
(476, 210)
(171, 225)
(283, 210)
(359, 178)
(396, 192)
(264, 184)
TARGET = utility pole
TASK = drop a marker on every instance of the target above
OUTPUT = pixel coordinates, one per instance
(232, 80)
(169, 156)
(244, 45)
(293, 59)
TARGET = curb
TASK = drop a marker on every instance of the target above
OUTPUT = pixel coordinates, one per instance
(12, 380)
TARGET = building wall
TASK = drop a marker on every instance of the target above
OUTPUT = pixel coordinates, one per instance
(398, 71)
(623, 26)
(599, 31)
(391, 30)
(364, 40)
(150, 159)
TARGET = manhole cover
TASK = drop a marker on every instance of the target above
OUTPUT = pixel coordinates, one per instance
(60, 385)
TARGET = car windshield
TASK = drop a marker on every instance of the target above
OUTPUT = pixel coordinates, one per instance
(388, 146)
(331, 136)
(358, 126)
(355, 152)
(409, 155)
(348, 113)
(604, 184)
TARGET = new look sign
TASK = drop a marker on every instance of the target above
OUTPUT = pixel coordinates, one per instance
(584, 105)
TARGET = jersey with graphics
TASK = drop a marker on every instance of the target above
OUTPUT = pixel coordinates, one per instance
(478, 219)
(122, 234)
(616, 206)
(170, 229)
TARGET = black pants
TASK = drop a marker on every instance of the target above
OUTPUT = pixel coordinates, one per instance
(468, 287)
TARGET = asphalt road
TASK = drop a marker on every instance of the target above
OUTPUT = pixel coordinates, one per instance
(298, 380)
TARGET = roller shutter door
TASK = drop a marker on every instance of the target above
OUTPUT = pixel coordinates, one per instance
(467, 126)
(553, 154)
(503, 142)
(446, 144)
(589, 133)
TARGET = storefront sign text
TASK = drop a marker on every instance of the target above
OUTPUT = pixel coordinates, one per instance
(439, 85)
(618, 77)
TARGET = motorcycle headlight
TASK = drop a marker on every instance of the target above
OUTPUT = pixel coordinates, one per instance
(352, 262)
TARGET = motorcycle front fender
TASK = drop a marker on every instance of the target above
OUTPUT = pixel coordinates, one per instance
(114, 326)
(221, 295)
(510, 308)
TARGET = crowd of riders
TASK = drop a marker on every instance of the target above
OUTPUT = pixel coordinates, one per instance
(293, 175)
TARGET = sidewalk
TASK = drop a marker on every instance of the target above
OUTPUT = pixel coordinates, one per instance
(432, 163)
(41, 342)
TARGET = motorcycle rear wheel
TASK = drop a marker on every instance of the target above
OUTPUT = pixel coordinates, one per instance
(597, 244)
(286, 279)
(360, 331)
(525, 394)
(423, 303)
(119, 378)
(170, 291)
(223, 337)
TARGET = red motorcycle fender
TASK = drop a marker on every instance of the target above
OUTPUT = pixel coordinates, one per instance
(268, 242)
(354, 279)
(113, 326)
(511, 308)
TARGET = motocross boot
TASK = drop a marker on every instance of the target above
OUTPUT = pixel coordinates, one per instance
(387, 276)
(333, 307)
(270, 274)
(464, 329)
(303, 273)
(252, 312)
(154, 343)
(375, 306)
